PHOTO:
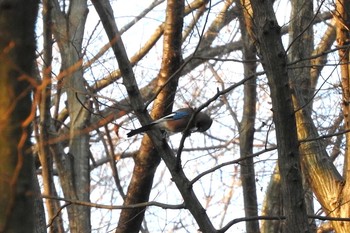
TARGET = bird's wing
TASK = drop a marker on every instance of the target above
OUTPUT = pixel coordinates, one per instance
(173, 116)
(180, 114)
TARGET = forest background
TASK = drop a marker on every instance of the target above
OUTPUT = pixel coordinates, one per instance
(77, 75)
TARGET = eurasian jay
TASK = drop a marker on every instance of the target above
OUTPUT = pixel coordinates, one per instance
(177, 122)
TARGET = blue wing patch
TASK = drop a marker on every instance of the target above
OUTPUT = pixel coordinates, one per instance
(173, 116)
(180, 115)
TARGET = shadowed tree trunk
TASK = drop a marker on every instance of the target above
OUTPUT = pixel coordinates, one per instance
(246, 127)
(274, 60)
(17, 56)
(272, 203)
(44, 127)
(73, 168)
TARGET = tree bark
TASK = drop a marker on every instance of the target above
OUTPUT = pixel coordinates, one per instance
(69, 25)
(274, 60)
(246, 127)
(272, 205)
(301, 38)
(343, 39)
(17, 48)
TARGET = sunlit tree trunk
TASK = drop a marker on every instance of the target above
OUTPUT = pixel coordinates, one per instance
(326, 182)
(17, 49)
(342, 14)
(272, 205)
(324, 179)
(301, 38)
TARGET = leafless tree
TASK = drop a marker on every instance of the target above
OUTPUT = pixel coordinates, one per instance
(267, 77)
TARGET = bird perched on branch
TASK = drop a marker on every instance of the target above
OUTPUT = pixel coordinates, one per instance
(177, 122)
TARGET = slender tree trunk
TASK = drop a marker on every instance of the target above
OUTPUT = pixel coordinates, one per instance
(39, 211)
(17, 49)
(274, 60)
(246, 127)
(74, 170)
(43, 96)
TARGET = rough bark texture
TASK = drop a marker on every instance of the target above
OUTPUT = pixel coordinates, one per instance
(17, 49)
(74, 174)
(274, 60)
(247, 123)
(343, 39)
(324, 178)
(326, 182)
(272, 205)
(301, 45)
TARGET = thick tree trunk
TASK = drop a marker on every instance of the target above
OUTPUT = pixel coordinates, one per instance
(301, 45)
(17, 49)
(272, 203)
(343, 39)
(274, 60)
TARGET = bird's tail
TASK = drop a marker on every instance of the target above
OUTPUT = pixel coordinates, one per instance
(139, 130)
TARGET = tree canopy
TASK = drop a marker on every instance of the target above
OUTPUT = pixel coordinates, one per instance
(272, 75)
